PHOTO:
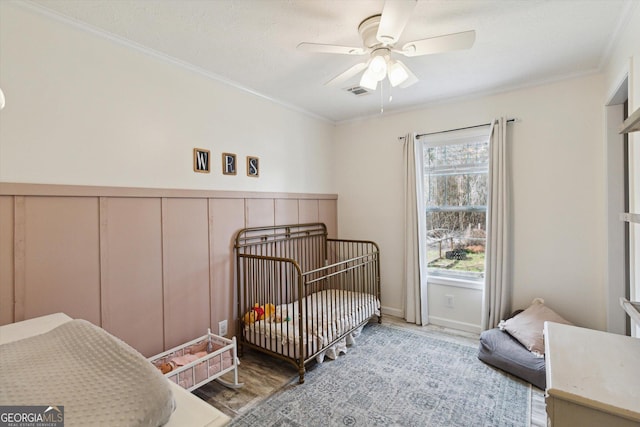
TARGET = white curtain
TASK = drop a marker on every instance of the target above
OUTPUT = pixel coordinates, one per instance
(497, 289)
(415, 267)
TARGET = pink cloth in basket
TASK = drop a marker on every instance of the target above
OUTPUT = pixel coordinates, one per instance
(188, 358)
(216, 364)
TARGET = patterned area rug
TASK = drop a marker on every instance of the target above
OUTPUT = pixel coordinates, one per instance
(398, 377)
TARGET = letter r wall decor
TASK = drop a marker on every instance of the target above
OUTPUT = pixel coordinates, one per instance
(229, 163)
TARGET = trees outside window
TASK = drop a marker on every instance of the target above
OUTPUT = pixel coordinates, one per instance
(455, 185)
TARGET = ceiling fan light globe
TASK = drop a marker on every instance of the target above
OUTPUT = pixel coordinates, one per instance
(379, 76)
(369, 81)
(397, 74)
(378, 68)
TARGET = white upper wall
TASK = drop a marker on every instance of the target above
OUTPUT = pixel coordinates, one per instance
(84, 109)
(557, 167)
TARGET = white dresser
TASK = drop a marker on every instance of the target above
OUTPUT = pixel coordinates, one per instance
(593, 377)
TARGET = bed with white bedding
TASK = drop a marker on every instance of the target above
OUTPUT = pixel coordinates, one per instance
(97, 378)
(302, 296)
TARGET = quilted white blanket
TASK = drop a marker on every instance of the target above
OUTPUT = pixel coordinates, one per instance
(99, 379)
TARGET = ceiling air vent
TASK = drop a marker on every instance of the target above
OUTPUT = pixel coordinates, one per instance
(357, 90)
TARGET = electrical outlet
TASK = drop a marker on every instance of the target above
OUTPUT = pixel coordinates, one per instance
(449, 300)
(222, 328)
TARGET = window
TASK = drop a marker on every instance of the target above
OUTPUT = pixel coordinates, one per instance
(455, 195)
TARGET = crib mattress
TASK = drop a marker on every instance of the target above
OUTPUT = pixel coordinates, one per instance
(326, 315)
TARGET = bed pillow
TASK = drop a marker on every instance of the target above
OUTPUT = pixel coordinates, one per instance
(527, 327)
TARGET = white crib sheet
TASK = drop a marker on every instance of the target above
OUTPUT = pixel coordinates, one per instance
(331, 314)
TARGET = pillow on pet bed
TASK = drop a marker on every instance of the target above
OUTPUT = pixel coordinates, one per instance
(499, 349)
(527, 326)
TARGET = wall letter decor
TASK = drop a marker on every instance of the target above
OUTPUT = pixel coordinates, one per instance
(253, 166)
(201, 160)
(228, 163)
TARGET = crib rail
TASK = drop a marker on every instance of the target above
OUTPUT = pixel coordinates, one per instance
(311, 291)
(305, 243)
(256, 237)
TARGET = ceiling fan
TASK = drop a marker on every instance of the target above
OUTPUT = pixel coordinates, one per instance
(380, 33)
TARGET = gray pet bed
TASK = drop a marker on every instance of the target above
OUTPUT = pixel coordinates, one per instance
(499, 349)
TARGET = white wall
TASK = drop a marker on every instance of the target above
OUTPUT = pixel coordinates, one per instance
(464, 312)
(558, 194)
(84, 109)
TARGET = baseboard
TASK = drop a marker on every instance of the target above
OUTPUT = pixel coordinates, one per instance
(454, 324)
(392, 312)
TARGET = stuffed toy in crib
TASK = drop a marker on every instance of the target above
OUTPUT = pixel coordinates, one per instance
(259, 312)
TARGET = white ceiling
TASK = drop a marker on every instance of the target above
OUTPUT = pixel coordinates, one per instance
(252, 44)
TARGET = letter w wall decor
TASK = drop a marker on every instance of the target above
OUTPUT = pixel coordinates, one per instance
(201, 160)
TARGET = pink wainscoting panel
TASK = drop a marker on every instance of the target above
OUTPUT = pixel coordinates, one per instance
(6, 259)
(149, 265)
(308, 210)
(61, 258)
(286, 211)
(226, 218)
(185, 252)
(328, 213)
(131, 268)
(18, 257)
(259, 212)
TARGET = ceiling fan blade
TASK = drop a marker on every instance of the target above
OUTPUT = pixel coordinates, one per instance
(331, 48)
(395, 15)
(342, 77)
(410, 80)
(439, 44)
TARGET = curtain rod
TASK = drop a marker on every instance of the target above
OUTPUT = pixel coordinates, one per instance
(453, 130)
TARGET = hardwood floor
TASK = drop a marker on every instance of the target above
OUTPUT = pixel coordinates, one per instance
(263, 376)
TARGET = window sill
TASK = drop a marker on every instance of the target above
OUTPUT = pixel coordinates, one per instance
(458, 283)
